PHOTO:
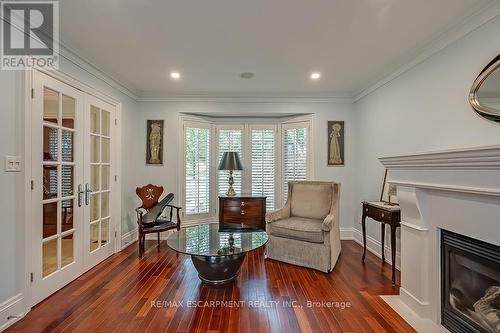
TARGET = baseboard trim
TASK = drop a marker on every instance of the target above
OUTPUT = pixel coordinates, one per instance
(420, 307)
(419, 323)
(346, 233)
(11, 311)
(372, 245)
(128, 238)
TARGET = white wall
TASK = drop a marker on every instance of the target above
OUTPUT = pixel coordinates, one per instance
(425, 109)
(12, 136)
(12, 194)
(168, 174)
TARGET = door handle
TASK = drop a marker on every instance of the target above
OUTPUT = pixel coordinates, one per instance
(80, 194)
(87, 191)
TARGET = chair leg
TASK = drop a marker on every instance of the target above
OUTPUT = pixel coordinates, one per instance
(139, 240)
(143, 243)
(158, 239)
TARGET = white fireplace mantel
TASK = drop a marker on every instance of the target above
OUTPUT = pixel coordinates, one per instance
(456, 190)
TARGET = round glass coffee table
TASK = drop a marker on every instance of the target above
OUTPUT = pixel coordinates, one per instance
(216, 255)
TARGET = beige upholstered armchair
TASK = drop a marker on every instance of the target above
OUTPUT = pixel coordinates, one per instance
(306, 230)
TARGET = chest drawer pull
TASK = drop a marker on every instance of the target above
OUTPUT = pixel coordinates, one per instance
(383, 215)
(242, 212)
(242, 204)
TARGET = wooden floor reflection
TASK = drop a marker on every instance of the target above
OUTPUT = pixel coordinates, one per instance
(162, 293)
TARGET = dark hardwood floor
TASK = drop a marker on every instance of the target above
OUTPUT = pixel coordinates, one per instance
(126, 294)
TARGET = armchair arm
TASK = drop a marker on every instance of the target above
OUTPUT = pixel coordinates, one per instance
(279, 214)
(178, 215)
(328, 222)
(139, 211)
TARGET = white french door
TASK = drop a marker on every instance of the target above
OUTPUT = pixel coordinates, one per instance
(67, 149)
(99, 233)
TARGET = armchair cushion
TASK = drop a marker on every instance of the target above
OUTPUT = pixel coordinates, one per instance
(160, 225)
(298, 228)
(311, 201)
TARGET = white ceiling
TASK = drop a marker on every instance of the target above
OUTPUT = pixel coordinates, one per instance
(353, 43)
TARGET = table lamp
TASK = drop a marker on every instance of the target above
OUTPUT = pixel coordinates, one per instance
(230, 161)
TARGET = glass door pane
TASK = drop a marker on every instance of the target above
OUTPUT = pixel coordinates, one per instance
(58, 180)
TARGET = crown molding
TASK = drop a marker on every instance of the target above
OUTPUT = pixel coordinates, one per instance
(485, 158)
(249, 99)
(450, 34)
(92, 69)
(70, 55)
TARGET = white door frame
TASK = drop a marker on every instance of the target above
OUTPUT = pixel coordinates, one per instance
(28, 109)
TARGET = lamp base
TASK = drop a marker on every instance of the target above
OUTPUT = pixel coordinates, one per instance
(230, 192)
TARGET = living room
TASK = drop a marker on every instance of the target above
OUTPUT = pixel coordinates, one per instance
(250, 166)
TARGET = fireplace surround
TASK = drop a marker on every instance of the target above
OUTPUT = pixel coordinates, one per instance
(455, 190)
(470, 284)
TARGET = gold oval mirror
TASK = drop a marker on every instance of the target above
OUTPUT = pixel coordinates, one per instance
(484, 95)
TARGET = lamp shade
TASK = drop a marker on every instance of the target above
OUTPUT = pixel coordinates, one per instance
(230, 161)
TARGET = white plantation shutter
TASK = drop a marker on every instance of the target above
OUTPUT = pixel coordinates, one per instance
(197, 170)
(263, 164)
(53, 153)
(228, 140)
(294, 155)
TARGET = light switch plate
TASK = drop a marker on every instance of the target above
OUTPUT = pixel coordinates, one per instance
(13, 164)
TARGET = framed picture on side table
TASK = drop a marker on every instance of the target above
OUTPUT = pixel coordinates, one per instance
(389, 193)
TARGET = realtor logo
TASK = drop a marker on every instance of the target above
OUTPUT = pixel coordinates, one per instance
(30, 34)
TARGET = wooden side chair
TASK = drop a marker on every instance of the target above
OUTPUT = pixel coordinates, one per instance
(149, 217)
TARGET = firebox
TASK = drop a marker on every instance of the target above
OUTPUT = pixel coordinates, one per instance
(470, 284)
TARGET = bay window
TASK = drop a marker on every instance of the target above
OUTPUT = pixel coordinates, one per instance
(272, 155)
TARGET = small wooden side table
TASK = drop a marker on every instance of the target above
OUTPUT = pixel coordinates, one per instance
(385, 214)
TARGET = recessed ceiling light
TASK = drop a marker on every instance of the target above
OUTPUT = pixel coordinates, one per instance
(315, 76)
(175, 75)
(247, 75)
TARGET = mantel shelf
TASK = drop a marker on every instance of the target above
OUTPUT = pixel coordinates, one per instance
(486, 157)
